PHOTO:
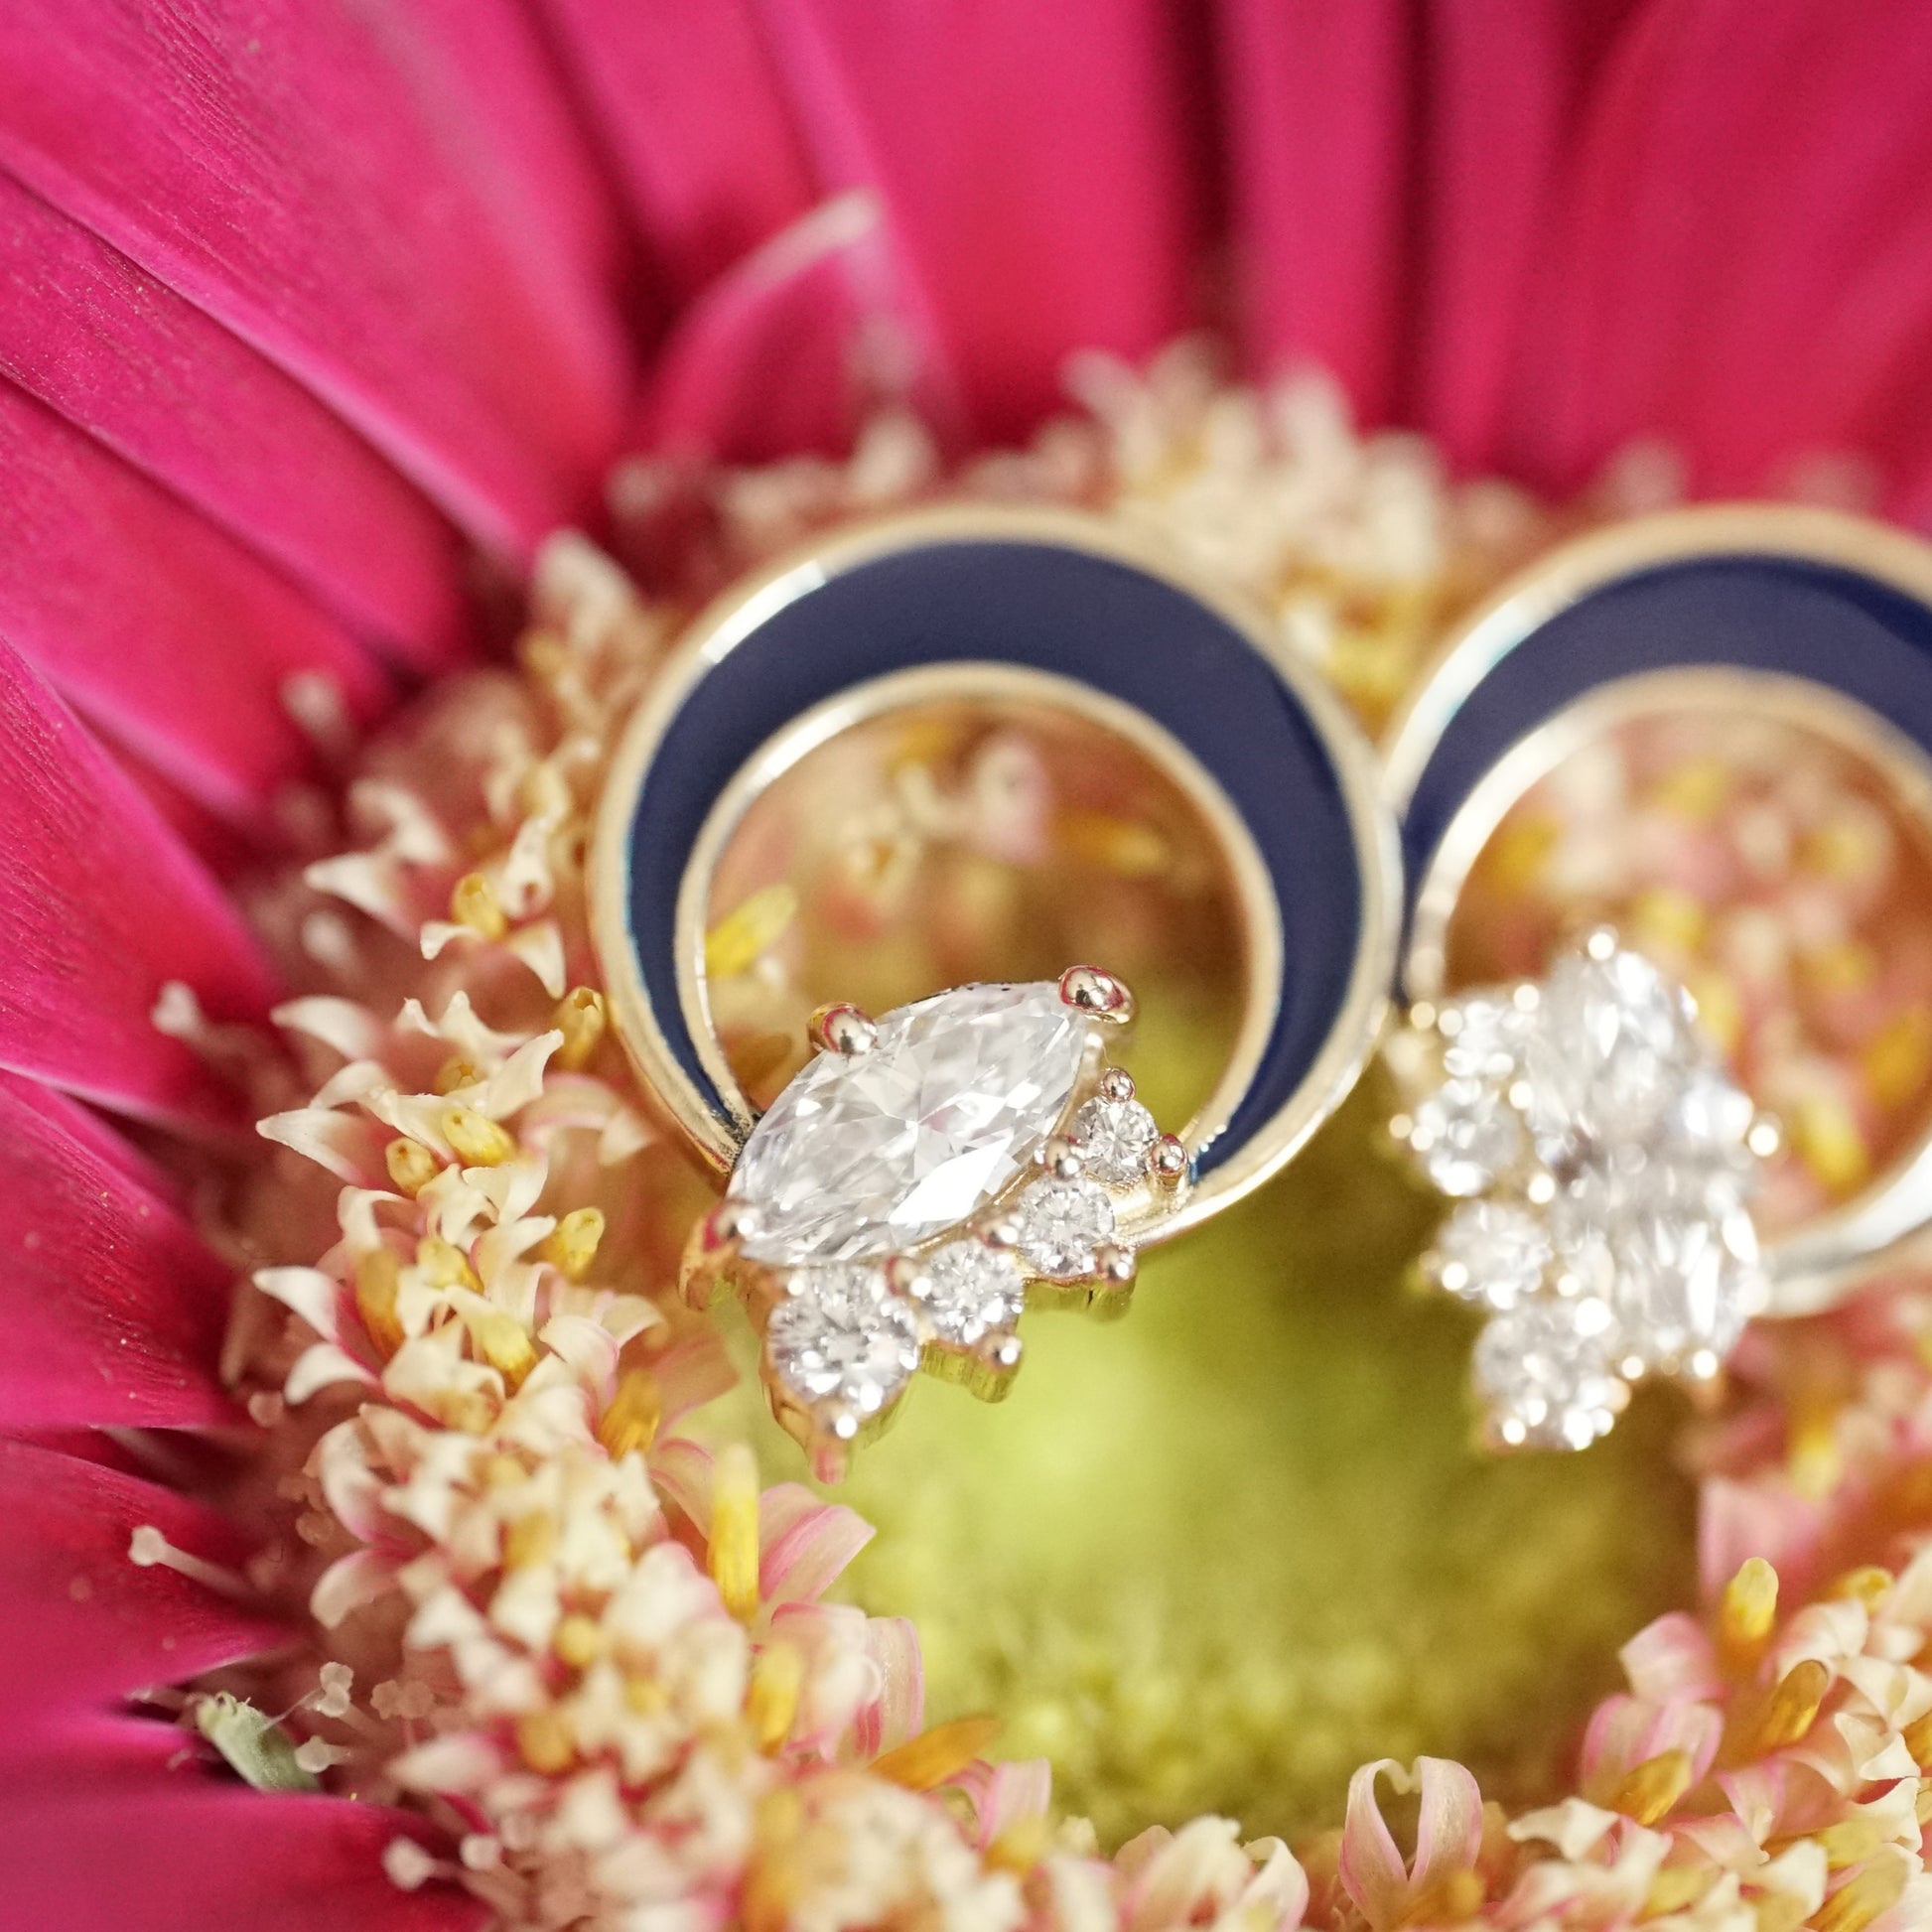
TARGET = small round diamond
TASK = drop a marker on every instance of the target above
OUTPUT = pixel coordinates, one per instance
(1061, 1223)
(972, 1290)
(843, 1337)
(1543, 1371)
(1113, 1137)
(1492, 1252)
(1466, 1134)
(1482, 1036)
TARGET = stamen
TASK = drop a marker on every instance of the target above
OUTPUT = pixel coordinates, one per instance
(478, 1142)
(148, 1549)
(1745, 1614)
(474, 904)
(378, 1281)
(772, 1701)
(571, 1246)
(1856, 1903)
(746, 933)
(937, 1754)
(579, 1641)
(1868, 1586)
(630, 1422)
(1649, 1792)
(1794, 1705)
(445, 1265)
(734, 1530)
(412, 1167)
(545, 1741)
(504, 1342)
(580, 1018)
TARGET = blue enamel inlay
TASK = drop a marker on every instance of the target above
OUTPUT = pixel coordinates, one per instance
(1058, 610)
(1787, 615)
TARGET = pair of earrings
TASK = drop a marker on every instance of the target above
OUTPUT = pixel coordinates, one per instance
(933, 1170)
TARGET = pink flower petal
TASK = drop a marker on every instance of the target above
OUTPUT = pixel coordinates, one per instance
(102, 906)
(177, 396)
(113, 1308)
(178, 644)
(1318, 102)
(1675, 300)
(1671, 1657)
(177, 1850)
(692, 114)
(900, 1708)
(764, 365)
(84, 1626)
(1449, 1833)
(322, 184)
(806, 1544)
(1038, 168)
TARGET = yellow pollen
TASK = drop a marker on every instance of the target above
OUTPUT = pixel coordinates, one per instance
(378, 1277)
(1117, 845)
(1676, 1887)
(529, 1540)
(1899, 1057)
(544, 1738)
(443, 1265)
(580, 1018)
(1847, 967)
(1794, 1705)
(734, 1530)
(738, 941)
(1827, 1139)
(1720, 1010)
(467, 1410)
(630, 1422)
(1665, 916)
(501, 1471)
(937, 1754)
(644, 1695)
(1022, 1845)
(579, 1641)
(772, 1700)
(1860, 1900)
(571, 1246)
(1448, 1898)
(1850, 1840)
(456, 1072)
(1648, 1792)
(1745, 1614)
(1918, 1741)
(1695, 789)
(504, 1342)
(475, 904)
(1522, 849)
(1922, 1803)
(412, 1167)
(478, 1142)
(1867, 1585)
(545, 794)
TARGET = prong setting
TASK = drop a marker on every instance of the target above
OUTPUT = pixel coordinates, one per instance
(843, 1029)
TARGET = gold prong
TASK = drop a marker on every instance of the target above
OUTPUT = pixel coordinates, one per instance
(1166, 1161)
(841, 1028)
(1097, 995)
(1117, 1085)
(1061, 1158)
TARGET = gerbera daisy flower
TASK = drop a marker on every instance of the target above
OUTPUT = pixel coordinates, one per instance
(399, 1598)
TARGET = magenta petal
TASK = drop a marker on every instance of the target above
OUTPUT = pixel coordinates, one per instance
(180, 398)
(144, 1849)
(102, 906)
(693, 116)
(322, 180)
(1037, 167)
(113, 1307)
(762, 364)
(174, 640)
(1744, 262)
(1318, 98)
(82, 1626)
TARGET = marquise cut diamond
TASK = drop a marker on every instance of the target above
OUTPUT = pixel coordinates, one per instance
(873, 1154)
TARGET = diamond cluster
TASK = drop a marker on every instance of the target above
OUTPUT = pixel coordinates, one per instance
(904, 1188)
(1604, 1166)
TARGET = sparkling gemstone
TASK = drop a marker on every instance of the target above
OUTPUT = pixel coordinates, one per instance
(843, 1337)
(874, 1153)
(1482, 1036)
(1544, 1369)
(1466, 1134)
(1492, 1252)
(1113, 1136)
(1611, 1050)
(972, 1290)
(1061, 1224)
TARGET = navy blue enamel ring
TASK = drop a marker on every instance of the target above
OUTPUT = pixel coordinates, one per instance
(1603, 1157)
(933, 1168)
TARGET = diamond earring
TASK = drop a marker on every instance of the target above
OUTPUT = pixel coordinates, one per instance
(1606, 1171)
(935, 1169)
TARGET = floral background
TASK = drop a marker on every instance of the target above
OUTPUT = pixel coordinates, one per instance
(432, 1579)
